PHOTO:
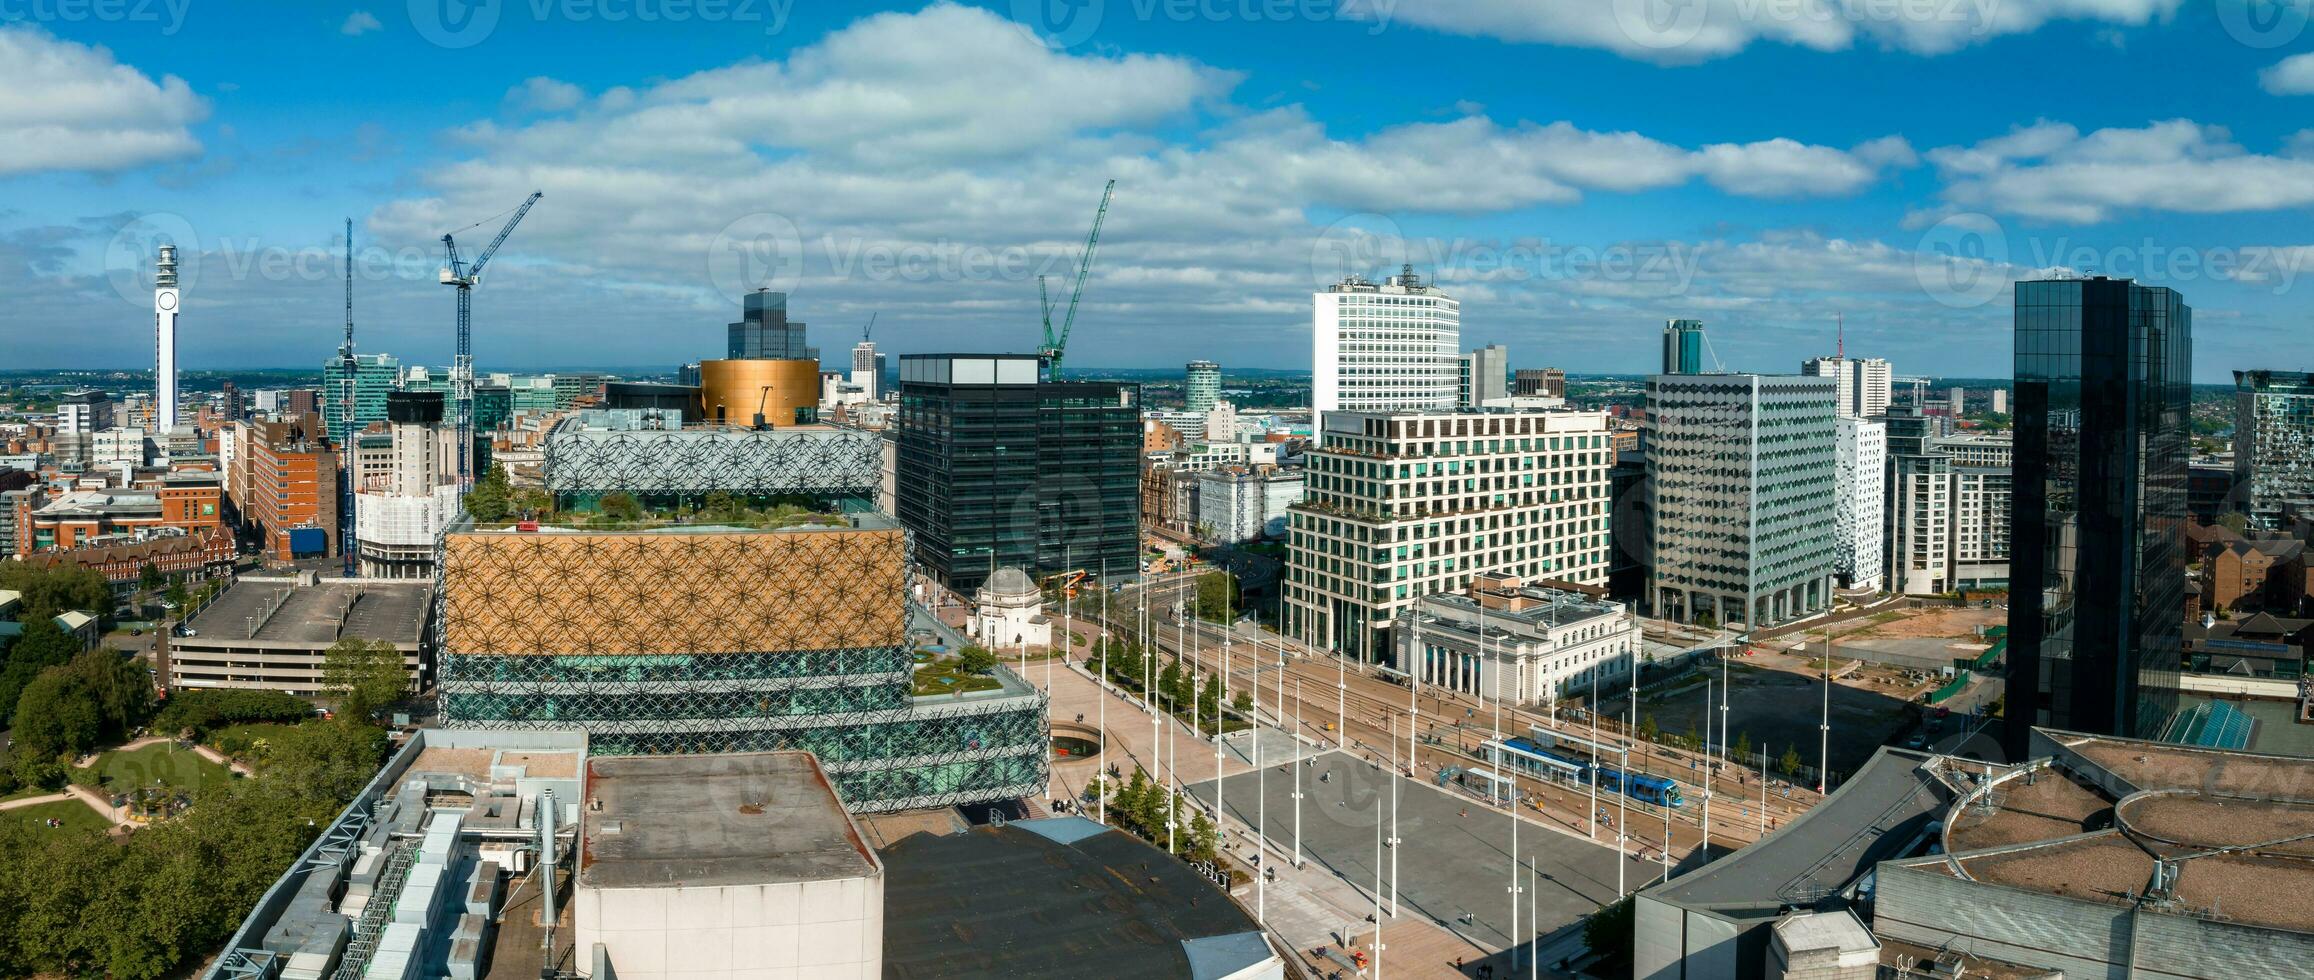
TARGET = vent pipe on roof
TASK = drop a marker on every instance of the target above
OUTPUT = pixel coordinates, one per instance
(546, 853)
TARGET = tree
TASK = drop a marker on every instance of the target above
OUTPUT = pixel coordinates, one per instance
(1790, 764)
(1243, 702)
(532, 502)
(492, 497)
(975, 660)
(55, 589)
(149, 577)
(178, 598)
(54, 718)
(42, 645)
(1743, 745)
(1169, 684)
(1647, 728)
(719, 505)
(363, 676)
(621, 506)
(1204, 840)
(1217, 596)
(1609, 931)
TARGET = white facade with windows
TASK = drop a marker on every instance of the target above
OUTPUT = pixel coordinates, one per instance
(1383, 347)
(1237, 504)
(1526, 642)
(1860, 516)
(1402, 505)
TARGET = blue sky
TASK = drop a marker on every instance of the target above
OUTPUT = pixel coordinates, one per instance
(1575, 171)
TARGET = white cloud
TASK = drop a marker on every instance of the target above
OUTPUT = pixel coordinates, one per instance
(72, 107)
(2050, 170)
(897, 161)
(1686, 31)
(2293, 75)
(542, 94)
(360, 22)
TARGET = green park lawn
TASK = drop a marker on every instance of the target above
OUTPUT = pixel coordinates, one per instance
(241, 741)
(163, 763)
(76, 815)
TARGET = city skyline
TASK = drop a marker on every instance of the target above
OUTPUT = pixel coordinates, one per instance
(1574, 231)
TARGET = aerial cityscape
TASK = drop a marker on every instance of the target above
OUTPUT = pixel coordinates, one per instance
(1220, 490)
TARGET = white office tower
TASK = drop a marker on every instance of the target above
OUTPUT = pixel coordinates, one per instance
(1875, 386)
(1859, 515)
(1392, 346)
(1842, 371)
(864, 369)
(1865, 383)
(165, 342)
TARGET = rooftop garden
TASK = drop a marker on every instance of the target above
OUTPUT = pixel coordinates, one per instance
(939, 672)
(496, 503)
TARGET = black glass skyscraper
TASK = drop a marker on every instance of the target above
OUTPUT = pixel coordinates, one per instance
(995, 467)
(764, 331)
(2104, 372)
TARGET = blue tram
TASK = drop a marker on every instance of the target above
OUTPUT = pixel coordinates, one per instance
(1567, 764)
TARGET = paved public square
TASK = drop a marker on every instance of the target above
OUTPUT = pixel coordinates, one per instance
(1455, 859)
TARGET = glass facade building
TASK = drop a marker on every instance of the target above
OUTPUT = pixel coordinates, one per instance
(2273, 445)
(765, 332)
(373, 376)
(1683, 347)
(1743, 491)
(996, 467)
(2104, 373)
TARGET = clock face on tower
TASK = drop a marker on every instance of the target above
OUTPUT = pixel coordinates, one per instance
(166, 300)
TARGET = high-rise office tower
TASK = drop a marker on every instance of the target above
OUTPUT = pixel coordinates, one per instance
(1864, 382)
(1203, 387)
(1372, 537)
(994, 468)
(165, 342)
(1958, 401)
(1539, 382)
(1386, 346)
(1859, 515)
(2104, 371)
(1842, 371)
(765, 332)
(2274, 445)
(1875, 386)
(1742, 478)
(1683, 347)
(374, 375)
(1483, 376)
(868, 369)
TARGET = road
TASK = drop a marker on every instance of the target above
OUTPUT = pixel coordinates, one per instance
(1369, 715)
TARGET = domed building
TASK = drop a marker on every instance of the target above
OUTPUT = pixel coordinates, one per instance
(1009, 611)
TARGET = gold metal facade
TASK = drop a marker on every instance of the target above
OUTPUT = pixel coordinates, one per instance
(731, 390)
(559, 594)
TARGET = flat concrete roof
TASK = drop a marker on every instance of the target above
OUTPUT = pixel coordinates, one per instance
(745, 818)
(297, 615)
